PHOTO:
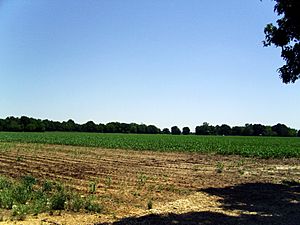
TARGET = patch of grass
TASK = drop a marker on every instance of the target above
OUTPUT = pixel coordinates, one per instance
(20, 211)
(25, 197)
(57, 200)
(91, 205)
(76, 203)
(5, 183)
(47, 186)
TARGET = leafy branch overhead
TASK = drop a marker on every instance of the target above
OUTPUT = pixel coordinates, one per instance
(286, 34)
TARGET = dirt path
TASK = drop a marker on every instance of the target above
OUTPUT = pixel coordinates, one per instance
(176, 183)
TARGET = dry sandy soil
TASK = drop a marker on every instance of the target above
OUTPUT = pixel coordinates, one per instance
(185, 188)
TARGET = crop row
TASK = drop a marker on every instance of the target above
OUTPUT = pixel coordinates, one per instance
(264, 147)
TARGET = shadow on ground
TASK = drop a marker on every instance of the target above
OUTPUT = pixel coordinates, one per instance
(262, 203)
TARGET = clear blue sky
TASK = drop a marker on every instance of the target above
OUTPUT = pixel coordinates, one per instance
(161, 62)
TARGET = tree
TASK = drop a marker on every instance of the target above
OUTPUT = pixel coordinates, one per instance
(133, 128)
(224, 130)
(89, 126)
(166, 131)
(298, 133)
(281, 130)
(286, 35)
(237, 130)
(175, 130)
(248, 130)
(69, 125)
(151, 129)
(185, 130)
(258, 129)
(269, 132)
(111, 127)
(142, 129)
(1, 124)
(205, 129)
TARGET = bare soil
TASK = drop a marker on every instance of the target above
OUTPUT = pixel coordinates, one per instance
(187, 188)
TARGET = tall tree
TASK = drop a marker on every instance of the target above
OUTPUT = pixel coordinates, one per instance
(175, 130)
(286, 35)
(186, 130)
(166, 131)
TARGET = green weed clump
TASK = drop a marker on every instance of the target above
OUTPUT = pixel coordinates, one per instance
(26, 196)
(219, 167)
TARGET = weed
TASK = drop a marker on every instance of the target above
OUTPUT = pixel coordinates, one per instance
(19, 158)
(151, 187)
(108, 181)
(5, 183)
(241, 171)
(170, 187)
(240, 162)
(92, 187)
(28, 181)
(6, 199)
(92, 206)
(21, 193)
(159, 188)
(19, 211)
(141, 180)
(76, 203)
(150, 204)
(219, 167)
(47, 186)
(39, 204)
(57, 201)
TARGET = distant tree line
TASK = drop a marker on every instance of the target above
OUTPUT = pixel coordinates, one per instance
(247, 130)
(27, 124)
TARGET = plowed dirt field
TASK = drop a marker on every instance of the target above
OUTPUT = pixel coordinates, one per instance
(183, 187)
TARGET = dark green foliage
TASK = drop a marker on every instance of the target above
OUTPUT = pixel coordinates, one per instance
(26, 197)
(57, 201)
(286, 35)
(30, 124)
(6, 201)
(5, 183)
(175, 130)
(224, 130)
(281, 130)
(76, 203)
(166, 131)
(36, 125)
(205, 129)
(91, 206)
(185, 131)
(237, 130)
(47, 186)
(151, 129)
(258, 129)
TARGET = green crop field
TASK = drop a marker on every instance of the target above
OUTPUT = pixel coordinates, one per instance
(264, 147)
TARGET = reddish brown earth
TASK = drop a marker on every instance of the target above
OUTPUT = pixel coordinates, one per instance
(185, 187)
